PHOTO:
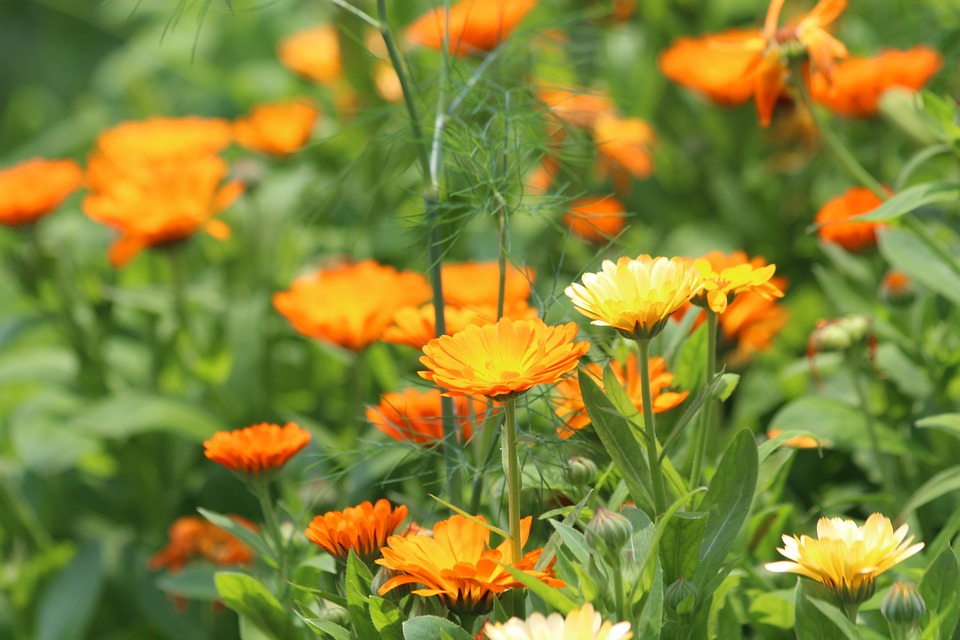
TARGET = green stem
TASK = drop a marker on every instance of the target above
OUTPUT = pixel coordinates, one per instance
(618, 594)
(706, 412)
(851, 611)
(261, 489)
(878, 458)
(656, 477)
(513, 476)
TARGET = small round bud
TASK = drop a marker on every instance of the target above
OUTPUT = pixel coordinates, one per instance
(608, 530)
(681, 596)
(897, 289)
(857, 327)
(831, 337)
(334, 613)
(580, 471)
(903, 604)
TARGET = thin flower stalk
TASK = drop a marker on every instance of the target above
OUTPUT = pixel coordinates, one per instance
(704, 428)
(650, 431)
(513, 476)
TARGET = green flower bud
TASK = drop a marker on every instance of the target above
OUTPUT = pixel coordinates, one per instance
(580, 471)
(608, 530)
(334, 613)
(903, 604)
(681, 596)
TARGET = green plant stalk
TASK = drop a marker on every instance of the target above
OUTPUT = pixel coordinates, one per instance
(703, 434)
(851, 611)
(260, 487)
(879, 459)
(618, 593)
(650, 432)
(513, 476)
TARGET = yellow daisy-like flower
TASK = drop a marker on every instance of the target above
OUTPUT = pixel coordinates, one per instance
(845, 557)
(636, 296)
(725, 277)
(580, 624)
(502, 360)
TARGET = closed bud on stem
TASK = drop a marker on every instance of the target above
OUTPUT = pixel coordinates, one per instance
(608, 531)
(903, 605)
(580, 471)
(681, 596)
(897, 289)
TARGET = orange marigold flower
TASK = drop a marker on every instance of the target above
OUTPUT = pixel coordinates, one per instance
(163, 138)
(350, 305)
(596, 219)
(624, 145)
(858, 83)
(458, 566)
(836, 221)
(477, 284)
(278, 128)
(415, 327)
(255, 449)
(897, 288)
(569, 406)
(502, 360)
(313, 53)
(34, 188)
(726, 276)
(193, 537)
(364, 528)
(416, 416)
(799, 442)
(577, 107)
(717, 65)
(753, 321)
(474, 25)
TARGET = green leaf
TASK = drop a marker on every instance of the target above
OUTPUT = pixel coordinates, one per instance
(728, 383)
(837, 617)
(130, 414)
(617, 435)
(573, 540)
(387, 618)
(680, 545)
(357, 585)
(431, 628)
(911, 199)
(842, 425)
(550, 549)
(688, 370)
(554, 597)
(775, 608)
(194, 581)
(328, 627)
(940, 589)
(948, 422)
(67, 605)
(234, 528)
(651, 618)
(251, 600)
(906, 252)
(816, 618)
(943, 483)
(907, 375)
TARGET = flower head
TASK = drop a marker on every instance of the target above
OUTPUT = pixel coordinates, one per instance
(256, 449)
(364, 528)
(458, 566)
(193, 537)
(417, 416)
(350, 305)
(624, 147)
(313, 53)
(725, 277)
(477, 284)
(277, 128)
(162, 138)
(596, 219)
(472, 25)
(836, 220)
(636, 296)
(580, 624)
(502, 360)
(34, 188)
(569, 406)
(415, 327)
(845, 557)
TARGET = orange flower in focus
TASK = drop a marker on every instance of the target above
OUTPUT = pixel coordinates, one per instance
(364, 528)
(799, 442)
(569, 406)
(836, 220)
(458, 566)
(34, 188)
(193, 537)
(350, 305)
(255, 449)
(502, 360)
(858, 83)
(596, 219)
(279, 128)
(416, 416)
(313, 53)
(474, 25)
(415, 327)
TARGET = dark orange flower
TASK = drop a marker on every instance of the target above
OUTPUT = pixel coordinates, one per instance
(457, 564)
(278, 128)
(416, 416)
(364, 528)
(477, 284)
(313, 53)
(858, 83)
(569, 407)
(474, 25)
(34, 188)
(415, 327)
(596, 219)
(624, 146)
(193, 538)
(350, 305)
(753, 321)
(255, 449)
(836, 220)
(502, 360)
(717, 65)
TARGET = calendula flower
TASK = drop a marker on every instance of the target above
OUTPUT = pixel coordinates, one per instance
(195, 538)
(569, 406)
(502, 360)
(278, 128)
(416, 416)
(364, 528)
(477, 284)
(350, 305)
(313, 53)
(580, 624)
(163, 138)
(836, 220)
(32, 189)
(724, 278)
(458, 566)
(845, 557)
(596, 219)
(857, 84)
(636, 296)
(624, 146)
(415, 327)
(256, 449)
(576, 107)
(471, 25)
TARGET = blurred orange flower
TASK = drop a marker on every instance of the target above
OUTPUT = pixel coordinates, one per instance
(161, 138)
(799, 442)
(415, 327)
(477, 284)
(364, 528)
(32, 189)
(193, 537)
(624, 147)
(313, 53)
(255, 449)
(597, 219)
(350, 305)
(458, 566)
(416, 416)
(277, 128)
(836, 221)
(474, 25)
(502, 360)
(858, 83)
(576, 107)
(569, 406)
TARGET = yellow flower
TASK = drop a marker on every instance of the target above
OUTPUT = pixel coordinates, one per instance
(725, 277)
(502, 360)
(580, 624)
(636, 297)
(847, 558)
